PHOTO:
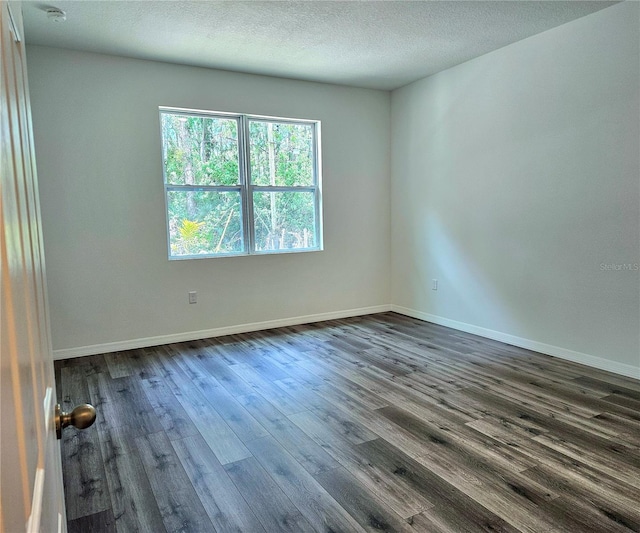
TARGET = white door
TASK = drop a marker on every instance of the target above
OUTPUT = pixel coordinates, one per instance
(31, 494)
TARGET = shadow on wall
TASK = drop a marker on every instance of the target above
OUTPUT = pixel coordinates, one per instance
(464, 292)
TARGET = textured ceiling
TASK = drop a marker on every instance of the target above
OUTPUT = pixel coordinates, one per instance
(376, 44)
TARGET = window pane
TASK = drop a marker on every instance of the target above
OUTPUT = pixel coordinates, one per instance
(199, 150)
(281, 154)
(284, 220)
(204, 222)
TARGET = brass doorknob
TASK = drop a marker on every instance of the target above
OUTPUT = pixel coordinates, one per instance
(82, 417)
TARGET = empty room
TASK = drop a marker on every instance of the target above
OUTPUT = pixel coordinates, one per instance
(325, 266)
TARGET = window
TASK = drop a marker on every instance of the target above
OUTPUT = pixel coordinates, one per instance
(239, 184)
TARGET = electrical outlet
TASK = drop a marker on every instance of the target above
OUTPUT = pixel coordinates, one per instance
(193, 297)
(434, 284)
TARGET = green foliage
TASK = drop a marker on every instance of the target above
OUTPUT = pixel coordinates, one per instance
(215, 226)
(189, 229)
(199, 150)
(190, 240)
(284, 220)
(292, 151)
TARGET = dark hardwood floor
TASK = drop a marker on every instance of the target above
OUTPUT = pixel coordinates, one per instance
(377, 423)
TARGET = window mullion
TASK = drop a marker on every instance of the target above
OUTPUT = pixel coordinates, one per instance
(245, 181)
(196, 188)
(317, 172)
(279, 188)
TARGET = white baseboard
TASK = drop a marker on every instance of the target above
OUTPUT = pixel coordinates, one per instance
(548, 349)
(131, 344)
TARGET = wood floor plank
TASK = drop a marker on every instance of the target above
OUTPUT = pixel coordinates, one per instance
(291, 342)
(445, 519)
(309, 454)
(180, 508)
(396, 392)
(132, 503)
(337, 381)
(609, 465)
(424, 482)
(280, 354)
(376, 359)
(458, 441)
(266, 368)
(381, 482)
(297, 370)
(485, 378)
(222, 501)
(623, 428)
(119, 364)
(316, 505)
(141, 362)
(513, 497)
(561, 433)
(622, 400)
(232, 351)
(341, 423)
(544, 393)
(305, 396)
(613, 510)
(216, 366)
(122, 402)
(606, 387)
(102, 522)
(560, 395)
(594, 374)
(374, 422)
(226, 445)
(206, 383)
(334, 425)
(269, 503)
(83, 366)
(245, 426)
(274, 394)
(579, 472)
(171, 415)
(574, 515)
(534, 415)
(369, 511)
(510, 359)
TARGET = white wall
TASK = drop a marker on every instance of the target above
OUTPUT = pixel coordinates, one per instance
(99, 163)
(515, 176)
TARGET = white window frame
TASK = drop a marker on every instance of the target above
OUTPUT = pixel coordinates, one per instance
(245, 187)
